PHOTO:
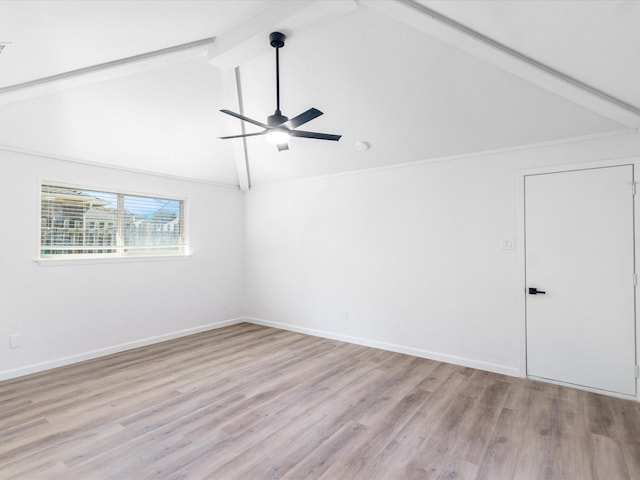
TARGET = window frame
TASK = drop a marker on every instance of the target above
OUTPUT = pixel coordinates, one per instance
(120, 255)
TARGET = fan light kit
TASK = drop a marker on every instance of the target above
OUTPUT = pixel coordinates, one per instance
(279, 129)
(278, 136)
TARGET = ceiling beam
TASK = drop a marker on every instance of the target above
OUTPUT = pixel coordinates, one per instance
(233, 98)
(248, 39)
(460, 36)
(104, 71)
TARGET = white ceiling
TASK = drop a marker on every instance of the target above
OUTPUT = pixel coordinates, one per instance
(379, 77)
(50, 37)
(594, 41)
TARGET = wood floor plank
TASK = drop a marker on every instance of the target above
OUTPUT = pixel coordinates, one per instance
(355, 462)
(501, 456)
(631, 452)
(608, 459)
(318, 461)
(251, 402)
(309, 418)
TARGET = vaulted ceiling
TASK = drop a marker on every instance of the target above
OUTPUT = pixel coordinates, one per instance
(139, 84)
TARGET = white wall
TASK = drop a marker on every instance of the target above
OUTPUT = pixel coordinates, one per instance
(412, 254)
(68, 313)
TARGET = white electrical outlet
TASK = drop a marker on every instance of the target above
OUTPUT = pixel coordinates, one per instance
(506, 244)
(15, 340)
(345, 315)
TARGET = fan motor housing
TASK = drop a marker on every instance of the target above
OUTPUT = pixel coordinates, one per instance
(276, 119)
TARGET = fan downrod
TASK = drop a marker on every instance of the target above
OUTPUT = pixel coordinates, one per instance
(276, 39)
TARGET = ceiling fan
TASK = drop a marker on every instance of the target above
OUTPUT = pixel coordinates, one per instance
(279, 128)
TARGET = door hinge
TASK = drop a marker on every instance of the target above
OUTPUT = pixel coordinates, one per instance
(637, 371)
(635, 279)
(633, 188)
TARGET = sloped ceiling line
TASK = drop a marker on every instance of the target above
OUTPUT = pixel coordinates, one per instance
(460, 36)
(104, 71)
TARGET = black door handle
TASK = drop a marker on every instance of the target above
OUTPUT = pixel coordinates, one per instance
(535, 291)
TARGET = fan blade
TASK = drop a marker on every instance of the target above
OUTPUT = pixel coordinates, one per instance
(318, 136)
(283, 146)
(243, 135)
(246, 119)
(304, 118)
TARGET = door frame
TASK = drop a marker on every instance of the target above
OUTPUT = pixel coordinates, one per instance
(521, 259)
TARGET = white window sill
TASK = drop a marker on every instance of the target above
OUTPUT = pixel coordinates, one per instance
(60, 262)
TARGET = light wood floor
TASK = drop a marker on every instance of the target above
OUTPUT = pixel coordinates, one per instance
(251, 402)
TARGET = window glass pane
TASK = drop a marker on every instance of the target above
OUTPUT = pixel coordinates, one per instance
(100, 222)
(152, 224)
(76, 221)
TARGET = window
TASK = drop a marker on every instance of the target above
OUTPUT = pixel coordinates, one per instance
(81, 222)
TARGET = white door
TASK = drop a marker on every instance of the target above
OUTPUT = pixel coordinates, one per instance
(579, 251)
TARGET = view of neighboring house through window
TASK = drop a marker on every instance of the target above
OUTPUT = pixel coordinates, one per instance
(81, 222)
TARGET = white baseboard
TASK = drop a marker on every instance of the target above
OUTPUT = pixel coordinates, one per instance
(80, 357)
(416, 352)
